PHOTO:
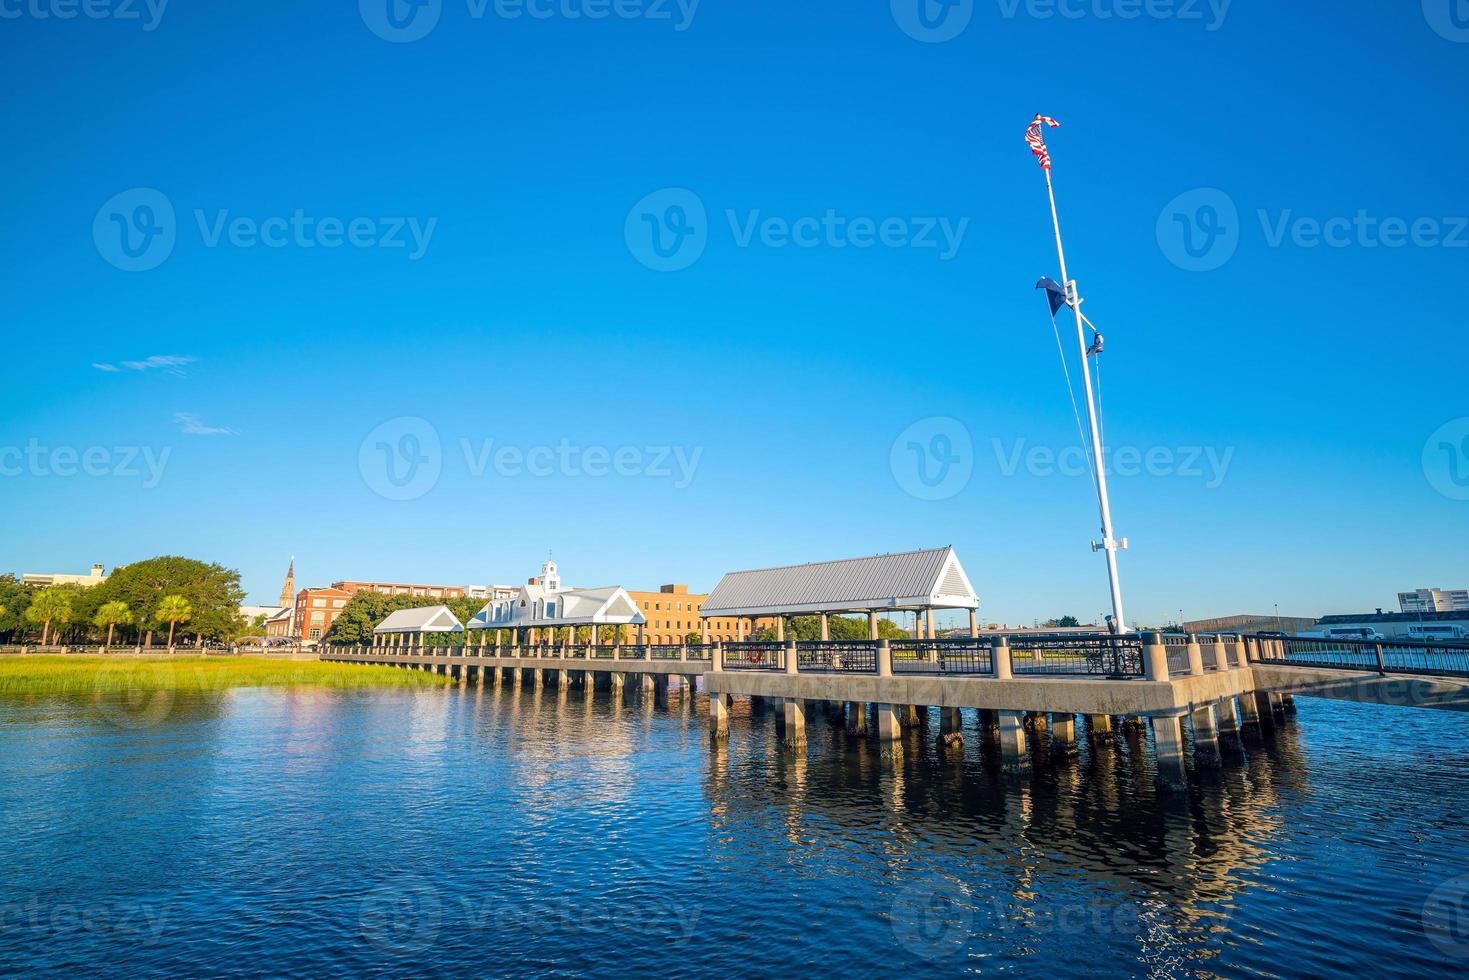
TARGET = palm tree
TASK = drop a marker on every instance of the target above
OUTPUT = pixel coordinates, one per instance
(49, 606)
(112, 615)
(173, 609)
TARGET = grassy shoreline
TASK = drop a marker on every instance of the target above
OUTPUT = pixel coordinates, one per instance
(77, 674)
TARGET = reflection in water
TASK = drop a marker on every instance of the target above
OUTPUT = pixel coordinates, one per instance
(520, 830)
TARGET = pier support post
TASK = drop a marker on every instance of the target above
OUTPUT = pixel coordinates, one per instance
(910, 716)
(1099, 724)
(951, 727)
(1012, 741)
(1264, 712)
(615, 680)
(1168, 744)
(1035, 720)
(1228, 719)
(1288, 701)
(1206, 734)
(857, 717)
(1063, 734)
(718, 716)
(888, 729)
(563, 679)
(989, 723)
(795, 722)
(1277, 705)
(1249, 712)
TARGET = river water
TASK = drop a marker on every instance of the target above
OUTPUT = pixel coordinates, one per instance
(517, 832)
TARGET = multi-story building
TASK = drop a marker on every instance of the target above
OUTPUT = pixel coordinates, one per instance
(673, 614)
(1434, 600)
(316, 609)
(403, 588)
(491, 592)
(96, 575)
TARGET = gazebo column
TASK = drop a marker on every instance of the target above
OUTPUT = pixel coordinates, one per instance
(825, 627)
(872, 624)
(973, 622)
(703, 631)
(928, 615)
(780, 629)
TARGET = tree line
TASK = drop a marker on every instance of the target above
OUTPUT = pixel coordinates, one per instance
(166, 596)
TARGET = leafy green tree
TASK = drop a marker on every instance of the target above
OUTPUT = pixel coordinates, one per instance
(1063, 621)
(173, 609)
(112, 615)
(51, 605)
(213, 592)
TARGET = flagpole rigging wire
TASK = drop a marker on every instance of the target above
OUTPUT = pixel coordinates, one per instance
(1099, 473)
(1066, 373)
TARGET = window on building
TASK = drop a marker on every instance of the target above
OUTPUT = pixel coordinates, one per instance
(315, 634)
(318, 617)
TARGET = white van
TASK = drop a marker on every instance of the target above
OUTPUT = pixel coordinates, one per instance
(1440, 632)
(1353, 633)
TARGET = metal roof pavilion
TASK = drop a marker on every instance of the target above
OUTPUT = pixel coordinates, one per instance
(425, 619)
(929, 579)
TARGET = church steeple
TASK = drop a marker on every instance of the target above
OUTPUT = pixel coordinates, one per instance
(288, 587)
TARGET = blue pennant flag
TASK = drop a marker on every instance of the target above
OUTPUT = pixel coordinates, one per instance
(1054, 293)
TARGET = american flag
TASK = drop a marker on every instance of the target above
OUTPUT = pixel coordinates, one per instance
(1034, 136)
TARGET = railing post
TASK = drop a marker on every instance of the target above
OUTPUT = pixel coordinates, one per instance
(792, 665)
(1155, 657)
(683, 652)
(1195, 655)
(717, 663)
(884, 658)
(1000, 654)
(1381, 660)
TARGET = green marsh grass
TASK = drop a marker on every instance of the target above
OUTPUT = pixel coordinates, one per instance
(63, 675)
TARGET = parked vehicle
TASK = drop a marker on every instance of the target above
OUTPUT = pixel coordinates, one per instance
(1441, 632)
(1353, 633)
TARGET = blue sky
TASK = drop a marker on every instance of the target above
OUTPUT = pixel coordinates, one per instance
(536, 156)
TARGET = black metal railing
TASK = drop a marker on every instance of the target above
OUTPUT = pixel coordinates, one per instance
(961, 655)
(1090, 653)
(754, 655)
(1383, 656)
(602, 652)
(837, 656)
(665, 651)
(632, 651)
(701, 651)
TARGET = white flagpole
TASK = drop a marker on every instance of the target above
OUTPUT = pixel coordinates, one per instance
(1109, 545)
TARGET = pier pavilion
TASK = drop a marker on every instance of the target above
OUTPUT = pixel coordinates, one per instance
(542, 609)
(408, 627)
(919, 582)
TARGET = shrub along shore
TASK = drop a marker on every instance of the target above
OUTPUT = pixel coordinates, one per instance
(74, 674)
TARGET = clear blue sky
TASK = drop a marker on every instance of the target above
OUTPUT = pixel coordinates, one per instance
(532, 315)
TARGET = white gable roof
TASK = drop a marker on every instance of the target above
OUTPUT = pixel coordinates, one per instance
(426, 619)
(907, 580)
(535, 606)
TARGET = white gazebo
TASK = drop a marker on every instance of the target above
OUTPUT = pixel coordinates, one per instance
(543, 607)
(401, 628)
(913, 581)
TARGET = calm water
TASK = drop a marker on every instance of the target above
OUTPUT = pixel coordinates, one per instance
(518, 833)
